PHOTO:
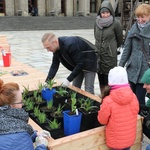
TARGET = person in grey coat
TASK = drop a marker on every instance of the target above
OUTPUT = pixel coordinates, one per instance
(133, 56)
(108, 37)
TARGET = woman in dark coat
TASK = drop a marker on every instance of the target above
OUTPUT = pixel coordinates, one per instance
(108, 37)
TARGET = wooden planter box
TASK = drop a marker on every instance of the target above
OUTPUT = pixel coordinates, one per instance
(93, 139)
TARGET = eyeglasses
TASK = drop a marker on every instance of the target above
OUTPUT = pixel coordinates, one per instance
(19, 102)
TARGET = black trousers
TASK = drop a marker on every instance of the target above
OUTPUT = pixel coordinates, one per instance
(103, 79)
(139, 91)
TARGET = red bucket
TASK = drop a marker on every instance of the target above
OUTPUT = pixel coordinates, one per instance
(6, 59)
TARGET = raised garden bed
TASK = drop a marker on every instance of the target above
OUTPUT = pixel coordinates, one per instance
(41, 108)
(89, 138)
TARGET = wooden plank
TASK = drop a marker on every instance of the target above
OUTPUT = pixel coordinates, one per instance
(94, 137)
(34, 125)
(32, 79)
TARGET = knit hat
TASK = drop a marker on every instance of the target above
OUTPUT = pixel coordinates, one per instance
(104, 9)
(146, 77)
(117, 76)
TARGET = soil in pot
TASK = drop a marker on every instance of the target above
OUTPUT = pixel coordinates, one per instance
(58, 99)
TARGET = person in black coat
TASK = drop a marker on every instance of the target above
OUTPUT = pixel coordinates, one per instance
(75, 53)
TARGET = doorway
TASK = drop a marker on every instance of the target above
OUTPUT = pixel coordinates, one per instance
(32, 7)
(63, 7)
(93, 6)
(2, 6)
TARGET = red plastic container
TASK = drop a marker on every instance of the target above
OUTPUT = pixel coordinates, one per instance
(6, 59)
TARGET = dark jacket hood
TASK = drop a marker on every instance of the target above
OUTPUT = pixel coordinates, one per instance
(107, 5)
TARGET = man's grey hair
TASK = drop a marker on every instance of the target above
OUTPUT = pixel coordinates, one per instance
(48, 36)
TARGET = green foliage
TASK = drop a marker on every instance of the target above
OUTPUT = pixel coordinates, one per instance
(87, 104)
(54, 124)
(73, 102)
(59, 110)
(29, 104)
(50, 84)
(39, 99)
(36, 111)
(40, 87)
(41, 117)
(25, 91)
(50, 104)
(35, 93)
(62, 91)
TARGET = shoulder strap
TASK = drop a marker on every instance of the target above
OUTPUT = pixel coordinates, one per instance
(145, 52)
(94, 48)
(143, 48)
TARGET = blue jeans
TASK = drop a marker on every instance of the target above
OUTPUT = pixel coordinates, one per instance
(89, 78)
(122, 149)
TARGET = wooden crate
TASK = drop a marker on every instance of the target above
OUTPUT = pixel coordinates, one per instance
(93, 139)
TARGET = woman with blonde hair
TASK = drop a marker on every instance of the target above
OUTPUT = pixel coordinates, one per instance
(136, 51)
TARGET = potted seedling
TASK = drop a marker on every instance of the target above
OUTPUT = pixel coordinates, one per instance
(54, 124)
(58, 114)
(58, 111)
(25, 93)
(89, 114)
(72, 118)
(42, 119)
(48, 90)
(40, 87)
(39, 101)
(55, 128)
(28, 104)
(48, 109)
(35, 113)
(60, 96)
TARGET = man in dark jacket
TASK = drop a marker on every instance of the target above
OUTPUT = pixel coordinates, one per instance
(77, 55)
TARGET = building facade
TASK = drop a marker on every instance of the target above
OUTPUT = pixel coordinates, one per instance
(51, 7)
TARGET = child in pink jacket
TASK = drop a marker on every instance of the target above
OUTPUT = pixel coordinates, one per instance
(118, 111)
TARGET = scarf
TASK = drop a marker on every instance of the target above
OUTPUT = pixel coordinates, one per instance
(141, 26)
(104, 22)
(14, 120)
(113, 87)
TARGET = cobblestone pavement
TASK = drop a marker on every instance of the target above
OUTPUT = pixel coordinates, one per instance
(26, 46)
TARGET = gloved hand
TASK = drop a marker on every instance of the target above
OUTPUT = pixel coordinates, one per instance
(65, 83)
(44, 133)
(41, 138)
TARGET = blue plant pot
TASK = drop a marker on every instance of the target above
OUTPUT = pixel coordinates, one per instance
(72, 123)
(47, 94)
